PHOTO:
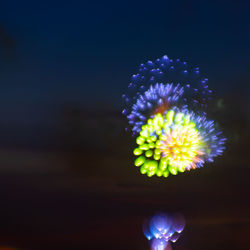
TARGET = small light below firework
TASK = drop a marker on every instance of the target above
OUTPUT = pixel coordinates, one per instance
(162, 229)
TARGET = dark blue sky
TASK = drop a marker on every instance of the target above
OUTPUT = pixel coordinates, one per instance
(54, 52)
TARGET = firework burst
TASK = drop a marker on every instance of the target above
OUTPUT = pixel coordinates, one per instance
(167, 114)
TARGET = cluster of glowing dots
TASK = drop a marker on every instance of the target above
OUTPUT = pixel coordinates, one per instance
(168, 143)
(161, 229)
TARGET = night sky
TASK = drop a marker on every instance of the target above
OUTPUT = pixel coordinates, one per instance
(66, 173)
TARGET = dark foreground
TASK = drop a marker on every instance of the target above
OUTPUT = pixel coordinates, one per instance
(44, 207)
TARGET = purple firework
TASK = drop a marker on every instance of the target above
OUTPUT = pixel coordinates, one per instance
(212, 138)
(213, 142)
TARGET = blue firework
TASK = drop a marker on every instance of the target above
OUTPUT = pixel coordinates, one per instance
(175, 77)
(157, 99)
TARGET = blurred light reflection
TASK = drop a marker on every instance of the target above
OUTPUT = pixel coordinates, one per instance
(161, 229)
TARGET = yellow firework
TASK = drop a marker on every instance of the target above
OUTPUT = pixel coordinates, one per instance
(180, 145)
(168, 143)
